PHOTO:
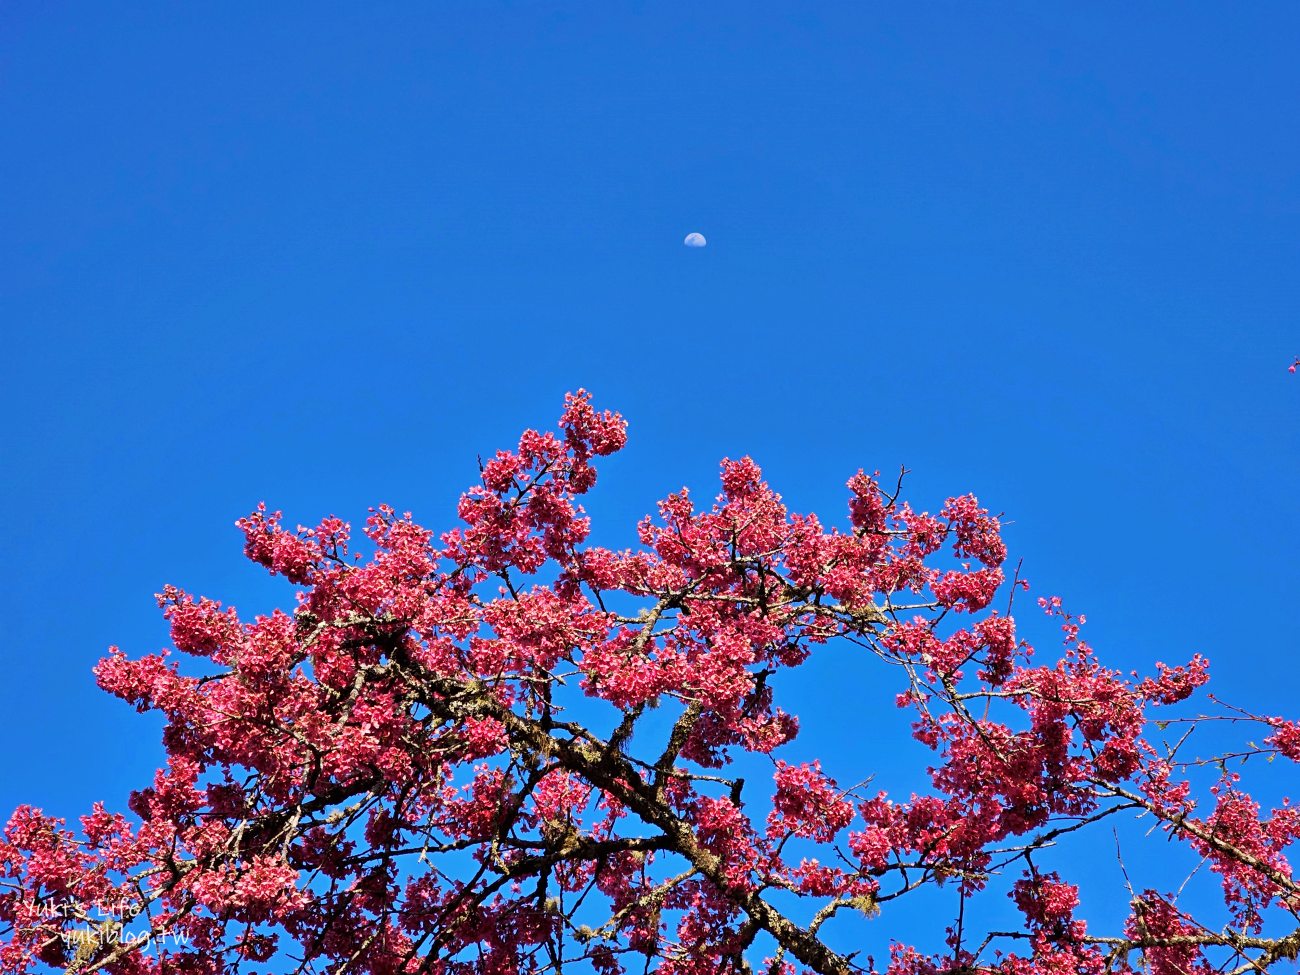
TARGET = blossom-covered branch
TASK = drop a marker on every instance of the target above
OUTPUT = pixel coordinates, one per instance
(504, 749)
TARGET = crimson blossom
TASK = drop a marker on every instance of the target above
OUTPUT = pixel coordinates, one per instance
(412, 770)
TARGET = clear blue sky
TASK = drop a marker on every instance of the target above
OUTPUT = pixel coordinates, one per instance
(325, 254)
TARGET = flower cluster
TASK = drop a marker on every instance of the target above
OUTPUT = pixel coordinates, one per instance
(502, 749)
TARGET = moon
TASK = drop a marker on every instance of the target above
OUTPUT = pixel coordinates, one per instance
(694, 240)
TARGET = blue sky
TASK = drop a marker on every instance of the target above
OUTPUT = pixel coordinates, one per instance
(324, 255)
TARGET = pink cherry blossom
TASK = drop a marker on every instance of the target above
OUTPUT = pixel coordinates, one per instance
(499, 748)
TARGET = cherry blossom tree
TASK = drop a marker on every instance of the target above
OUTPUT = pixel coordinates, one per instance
(503, 749)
